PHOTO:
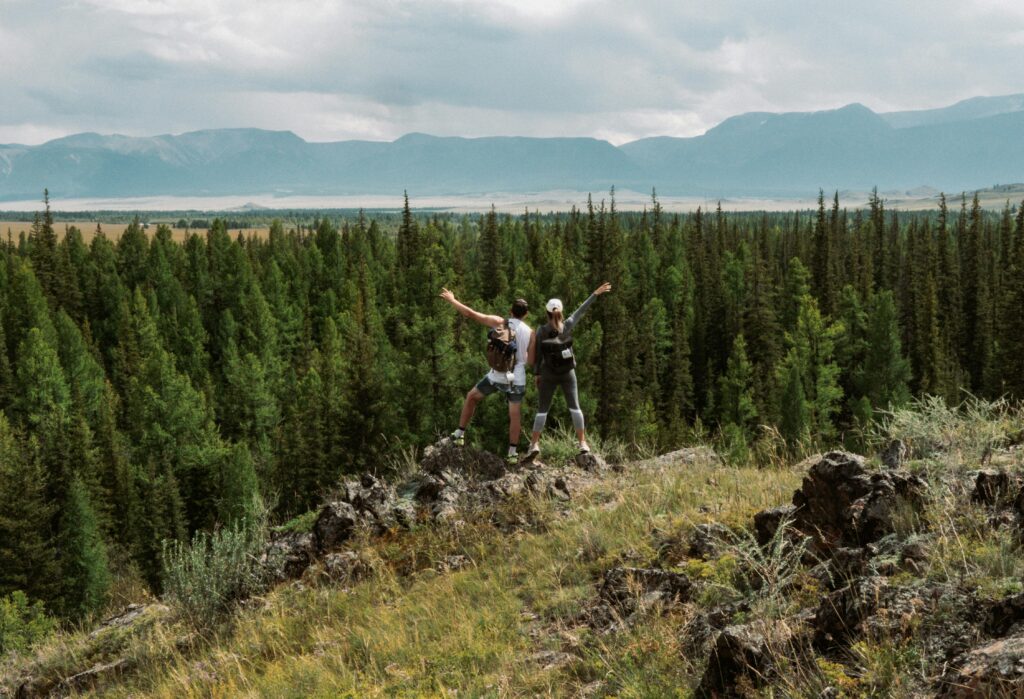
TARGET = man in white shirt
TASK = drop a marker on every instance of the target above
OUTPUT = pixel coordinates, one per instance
(512, 384)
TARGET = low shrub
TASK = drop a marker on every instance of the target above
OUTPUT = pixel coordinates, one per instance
(22, 623)
(205, 578)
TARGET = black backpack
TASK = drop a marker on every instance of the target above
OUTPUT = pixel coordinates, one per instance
(556, 353)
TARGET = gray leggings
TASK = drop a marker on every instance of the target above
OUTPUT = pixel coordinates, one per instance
(548, 384)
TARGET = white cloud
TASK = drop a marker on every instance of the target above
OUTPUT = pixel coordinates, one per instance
(381, 68)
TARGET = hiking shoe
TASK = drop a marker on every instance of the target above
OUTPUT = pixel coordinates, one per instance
(584, 448)
(452, 441)
(512, 459)
(533, 451)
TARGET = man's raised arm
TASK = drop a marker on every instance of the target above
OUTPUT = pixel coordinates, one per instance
(489, 321)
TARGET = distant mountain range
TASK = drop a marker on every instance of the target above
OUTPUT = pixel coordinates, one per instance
(974, 143)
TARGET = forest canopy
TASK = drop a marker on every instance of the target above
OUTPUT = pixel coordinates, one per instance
(151, 389)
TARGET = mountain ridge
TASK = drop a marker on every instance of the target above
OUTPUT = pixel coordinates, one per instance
(970, 144)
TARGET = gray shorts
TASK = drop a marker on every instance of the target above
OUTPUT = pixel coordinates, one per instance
(513, 392)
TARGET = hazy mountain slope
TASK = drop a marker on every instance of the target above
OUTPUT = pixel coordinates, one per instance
(972, 144)
(965, 110)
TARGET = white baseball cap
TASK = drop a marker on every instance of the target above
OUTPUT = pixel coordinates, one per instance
(554, 305)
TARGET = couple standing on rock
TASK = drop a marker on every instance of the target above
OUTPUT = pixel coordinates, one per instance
(513, 346)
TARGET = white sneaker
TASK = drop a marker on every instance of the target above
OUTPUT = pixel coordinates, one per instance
(533, 451)
(584, 448)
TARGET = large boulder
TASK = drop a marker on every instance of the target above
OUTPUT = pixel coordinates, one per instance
(841, 504)
(334, 525)
(466, 461)
(993, 669)
(287, 555)
(941, 616)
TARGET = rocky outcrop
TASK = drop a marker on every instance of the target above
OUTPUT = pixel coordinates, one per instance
(993, 669)
(748, 656)
(334, 525)
(288, 554)
(995, 488)
(465, 461)
(766, 522)
(841, 504)
(626, 593)
(706, 540)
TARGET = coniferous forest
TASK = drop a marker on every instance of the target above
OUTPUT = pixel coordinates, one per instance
(151, 389)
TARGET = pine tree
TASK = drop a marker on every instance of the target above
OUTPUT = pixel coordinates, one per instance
(736, 391)
(794, 410)
(28, 558)
(85, 576)
(882, 377)
(239, 497)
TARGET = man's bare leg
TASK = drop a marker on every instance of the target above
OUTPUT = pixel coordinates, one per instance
(473, 399)
(515, 422)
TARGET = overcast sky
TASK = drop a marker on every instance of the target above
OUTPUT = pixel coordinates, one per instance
(376, 69)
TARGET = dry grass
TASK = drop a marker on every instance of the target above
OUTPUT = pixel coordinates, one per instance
(412, 631)
(115, 230)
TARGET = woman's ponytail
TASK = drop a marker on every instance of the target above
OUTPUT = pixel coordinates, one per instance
(555, 319)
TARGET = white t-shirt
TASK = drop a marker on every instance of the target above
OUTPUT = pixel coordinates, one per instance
(523, 336)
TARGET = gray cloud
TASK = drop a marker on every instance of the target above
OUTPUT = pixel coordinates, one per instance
(380, 68)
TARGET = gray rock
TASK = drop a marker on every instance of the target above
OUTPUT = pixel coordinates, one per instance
(841, 504)
(747, 655)
(404, 514)
(995, 488)
(453, 562)
(552, 659)
(706, 540)
(895, 454)
(690, 455)
(558, 489)
(623, 585)
(994, 669)
(287, 555)
(98, 673)
(766, 522)
(344, 567)
(334, 525)
(941, 616)
(591, 462)
(465, 461)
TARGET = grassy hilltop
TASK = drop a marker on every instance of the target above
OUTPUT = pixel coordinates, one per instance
(508, 601)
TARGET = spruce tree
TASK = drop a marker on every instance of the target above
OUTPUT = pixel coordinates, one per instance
(736, 391)
(28, 557)
(882, 377)
(85, 576)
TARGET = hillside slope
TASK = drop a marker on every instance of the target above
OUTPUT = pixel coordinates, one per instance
(669, 577)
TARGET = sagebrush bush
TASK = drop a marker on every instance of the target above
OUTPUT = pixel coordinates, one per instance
(964, 433)
(205, 578)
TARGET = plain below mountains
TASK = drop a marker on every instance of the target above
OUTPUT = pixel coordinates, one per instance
(972, 144)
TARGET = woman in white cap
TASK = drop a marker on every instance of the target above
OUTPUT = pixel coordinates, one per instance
(555, 365)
